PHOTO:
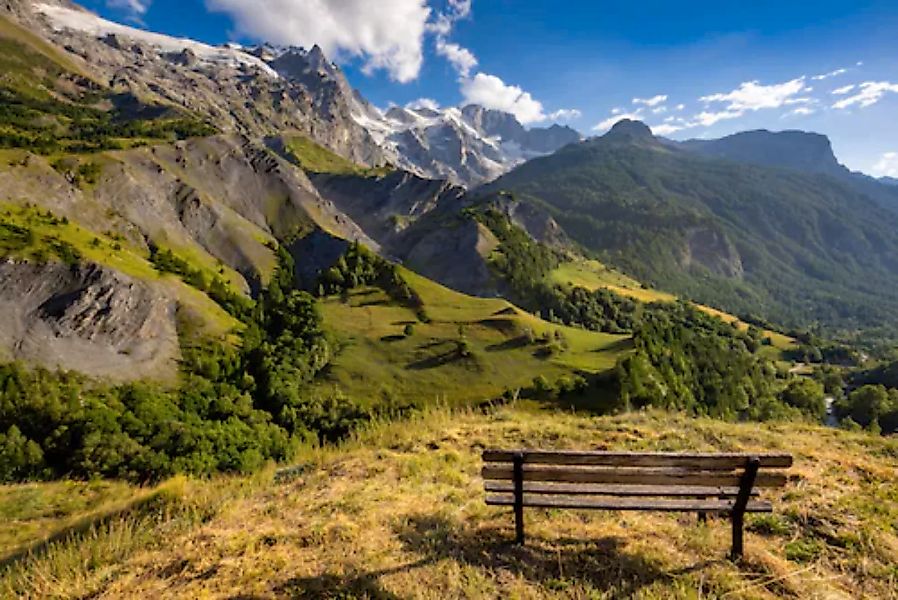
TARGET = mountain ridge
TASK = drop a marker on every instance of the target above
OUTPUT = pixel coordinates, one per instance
(705, 227)
(803, 151)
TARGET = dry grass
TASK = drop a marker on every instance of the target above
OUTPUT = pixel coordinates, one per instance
(398, 513)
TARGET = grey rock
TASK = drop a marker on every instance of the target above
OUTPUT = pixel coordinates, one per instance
(87, 318)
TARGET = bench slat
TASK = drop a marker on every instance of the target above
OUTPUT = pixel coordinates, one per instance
(726, 461)
(627, 504)
(644, 476)
(636, 490)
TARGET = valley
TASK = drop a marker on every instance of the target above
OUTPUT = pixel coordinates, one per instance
(255, 332)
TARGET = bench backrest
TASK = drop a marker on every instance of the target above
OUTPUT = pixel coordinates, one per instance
(634, 474)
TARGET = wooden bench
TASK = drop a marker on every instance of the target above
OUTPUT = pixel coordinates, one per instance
(637, 481)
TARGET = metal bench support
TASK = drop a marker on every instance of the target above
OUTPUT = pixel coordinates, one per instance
(738, 514)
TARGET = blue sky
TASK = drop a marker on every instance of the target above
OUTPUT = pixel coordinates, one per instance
(702, 69)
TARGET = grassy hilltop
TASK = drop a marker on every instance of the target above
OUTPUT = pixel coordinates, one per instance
(398, 512)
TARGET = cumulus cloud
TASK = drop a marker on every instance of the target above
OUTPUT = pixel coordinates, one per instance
(135, 9)
(491, 92)
(752, 95)
(428, 103)
(844, 90)
(613, 120)
(387, 34)
(461, 59)
(565, 114)
(667, 129)
(653, 101)
(706, 119)
(801, 111)
(887, 166)
(868, 94)
(458, 10)
(835, 73)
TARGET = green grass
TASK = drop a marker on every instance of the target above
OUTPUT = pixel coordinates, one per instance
(315, 158)
(593, 275)
(377, 363)
(13, 33)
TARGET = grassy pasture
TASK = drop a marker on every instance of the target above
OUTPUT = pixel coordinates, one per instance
(379, 362)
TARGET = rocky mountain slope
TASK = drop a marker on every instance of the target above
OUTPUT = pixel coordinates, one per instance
(790, 246)
(234, 89)
(467, 146)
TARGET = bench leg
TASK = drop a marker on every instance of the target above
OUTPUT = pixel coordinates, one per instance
(736, 552)
(519, 498)
(702, 517)
(738, 513)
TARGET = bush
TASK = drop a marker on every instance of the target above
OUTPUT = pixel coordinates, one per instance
(869, 404)
(806, 395)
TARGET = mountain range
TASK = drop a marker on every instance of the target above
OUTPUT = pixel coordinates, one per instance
(219, 154)
(707, 220)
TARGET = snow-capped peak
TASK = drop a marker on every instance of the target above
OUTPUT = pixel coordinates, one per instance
(470, 146)
(62, 18)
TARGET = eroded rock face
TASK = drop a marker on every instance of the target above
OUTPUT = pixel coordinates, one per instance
(456, 257)
(87, 318)
(712, 250)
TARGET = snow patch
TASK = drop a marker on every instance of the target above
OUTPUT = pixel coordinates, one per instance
(62, 18)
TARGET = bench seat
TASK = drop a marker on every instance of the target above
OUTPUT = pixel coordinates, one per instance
(642, 504)
(705, 483)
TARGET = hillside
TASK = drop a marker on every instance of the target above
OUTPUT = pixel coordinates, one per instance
(388, 356)
(791, 247)
(398, 512)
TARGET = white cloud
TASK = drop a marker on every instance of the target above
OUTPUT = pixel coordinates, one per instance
(462, 59)
(801, 111)
(612, 120)
(843, 90)
(653, 101)
(387, 34)
(618, 111)
(660, 110)
(428, 103)
(565, 114)
(491, 92)
(887, 165)
(460, 8)
(869, 94)
(835, 73)
(681, 106)
(752, 95)
(706, 119)
(135, 8)
(667, 129)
